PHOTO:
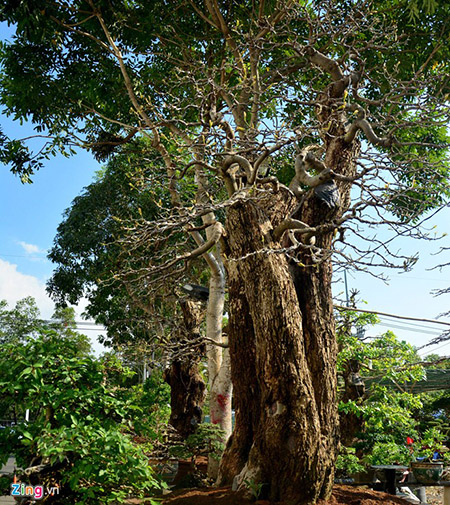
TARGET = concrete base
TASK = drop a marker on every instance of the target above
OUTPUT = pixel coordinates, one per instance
(447, 495)
(7, 469)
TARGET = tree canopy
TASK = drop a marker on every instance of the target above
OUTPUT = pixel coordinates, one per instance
(23, 323)
(222, 79)
(300, 125)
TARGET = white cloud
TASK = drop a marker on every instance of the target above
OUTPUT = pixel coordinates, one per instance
(15, 285)
(31, 248)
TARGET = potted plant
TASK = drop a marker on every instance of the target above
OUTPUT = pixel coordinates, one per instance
(427, 472)
(428, 465)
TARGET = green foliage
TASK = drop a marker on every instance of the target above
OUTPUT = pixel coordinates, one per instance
(83, 250)
(422, 190)
(82, 424)
(435, 413)
(63, 322)
(19, 323)
(390, 415)
(419, 7)
(87, 252)
(22, 324)
(389, 453)
(5, 485)
(18, 156)
(348, 463)
(254, 487)
(153, 397)
(68, 83)
(207, 440)
(432, 440)
(387, 355)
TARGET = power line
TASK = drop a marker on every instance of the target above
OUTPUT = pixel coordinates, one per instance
(90, 329)
(80, 325)
(91, 323)
(408, 323)
(421, 319)
(405, 328)
(432, 351)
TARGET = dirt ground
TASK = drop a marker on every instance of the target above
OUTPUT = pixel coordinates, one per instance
(342, 495)
(435, 495)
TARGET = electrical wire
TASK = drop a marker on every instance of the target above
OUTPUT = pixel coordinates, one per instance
(408, 323)
(419, 319)
(433, 350)
(416, 330)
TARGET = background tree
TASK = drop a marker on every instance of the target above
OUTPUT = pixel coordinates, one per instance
(375, 419)
(346, 102)
(23, 324)
(20, 323)
(385, 406)
(165, 323)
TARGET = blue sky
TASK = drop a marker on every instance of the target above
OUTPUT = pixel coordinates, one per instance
(31, 213)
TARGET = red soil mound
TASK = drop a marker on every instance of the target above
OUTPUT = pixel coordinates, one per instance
(342, 495)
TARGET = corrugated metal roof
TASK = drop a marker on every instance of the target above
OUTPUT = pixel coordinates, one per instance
(437, 379)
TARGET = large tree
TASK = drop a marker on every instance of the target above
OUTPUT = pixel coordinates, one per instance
(154, 330)
(345, 102)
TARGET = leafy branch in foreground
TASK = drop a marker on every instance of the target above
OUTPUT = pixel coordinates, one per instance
(82, 424)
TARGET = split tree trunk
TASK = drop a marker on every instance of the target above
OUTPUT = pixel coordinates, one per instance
(279, 404)
(283, 347)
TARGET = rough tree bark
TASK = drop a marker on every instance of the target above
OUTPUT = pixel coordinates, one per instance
(285, 419)
(187, 387)
(283, 345)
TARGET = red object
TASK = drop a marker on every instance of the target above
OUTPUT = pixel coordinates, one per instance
(409, 441)
(222, 400)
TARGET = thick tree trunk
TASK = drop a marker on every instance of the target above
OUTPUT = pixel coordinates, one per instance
(313, 287)
(247, 394)
(187, 387)
(187, 395)
(283, 345)
(279, 413)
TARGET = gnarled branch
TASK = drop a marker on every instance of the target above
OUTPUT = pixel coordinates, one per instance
(292, 224)
(361, 123)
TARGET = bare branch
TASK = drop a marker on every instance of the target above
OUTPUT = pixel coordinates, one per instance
(362, 124)
(306, 160)
(292, 224)
(232, 159)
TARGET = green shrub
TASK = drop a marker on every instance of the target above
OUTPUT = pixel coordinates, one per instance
(389, 453)
(207, 441)
(82, 426)
(348, 463)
